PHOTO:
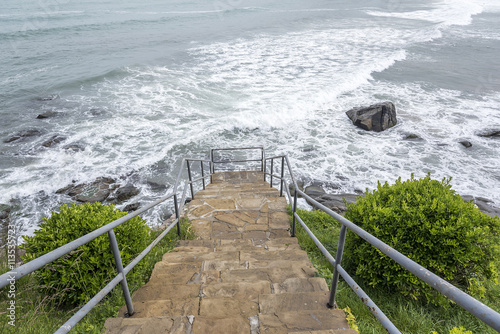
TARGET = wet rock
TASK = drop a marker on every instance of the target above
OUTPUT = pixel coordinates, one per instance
(48, 114)
(484, 205)
(24, 134)
(314, 190)
(124, 193)
(412, 136)
(466, 143)
(97, 191)
(300, 185)
(335, 202)
(53, 141)
(5, 211)
(156, 186)
(131, 207)
(377, 117)
(74, 147)
(494, 133)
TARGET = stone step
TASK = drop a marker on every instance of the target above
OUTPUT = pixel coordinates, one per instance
(180, 273)
(310, 320)
(273, 275)
(293, 285)
(155, 325)
(161, 291)
(163, 308)
(242, 290)
(197, 257)
(220, 308)
(263, 255)
(291, 302)
(328, 331)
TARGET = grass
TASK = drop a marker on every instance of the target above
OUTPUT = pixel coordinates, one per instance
(408, 315)
(38, 314)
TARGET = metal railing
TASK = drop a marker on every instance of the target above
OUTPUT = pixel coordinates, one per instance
(38, 263)
(230, 161)
(473, 306)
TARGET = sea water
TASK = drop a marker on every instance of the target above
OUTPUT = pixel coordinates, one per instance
(137, 85)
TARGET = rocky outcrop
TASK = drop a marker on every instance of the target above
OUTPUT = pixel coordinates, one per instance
(484, 205)
(466, 143)
(53, 141)
(23, 134)
(377, 117)
(4, 211)
(48, 114)
(124, 193)
(493, 133)
(102, 189)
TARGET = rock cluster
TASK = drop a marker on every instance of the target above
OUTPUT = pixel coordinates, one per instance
(101, 190)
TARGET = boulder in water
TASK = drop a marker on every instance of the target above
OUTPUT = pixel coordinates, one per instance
(377, 117)
(23, 134)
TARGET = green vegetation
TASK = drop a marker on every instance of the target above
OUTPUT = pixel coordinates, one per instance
(41, 312)
(432, 225)
(409, 315)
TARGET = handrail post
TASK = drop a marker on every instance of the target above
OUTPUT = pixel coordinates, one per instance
(190, 179)
(212, 160)
(282, 175)
(211, 173)
(272, 170)
(176, 206)
(119, 268)
(294, 209)
(202, 175)
(338, 262)
(262, 161)
(265, 170)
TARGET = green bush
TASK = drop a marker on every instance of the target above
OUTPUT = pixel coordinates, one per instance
(76, 277)
(428, 222)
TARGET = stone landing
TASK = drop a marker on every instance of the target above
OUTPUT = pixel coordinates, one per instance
(244, 273)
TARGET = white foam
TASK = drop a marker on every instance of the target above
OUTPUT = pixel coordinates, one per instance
(446, 12)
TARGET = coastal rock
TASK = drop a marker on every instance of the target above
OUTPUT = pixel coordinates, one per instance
(131, 207)
(24, 134)
(53, 141)
(493, 133)
(125, 193)
(47, 114)
(466, 143)
(335, 202)
(5, 211)
(377, 117)
(412, 136)
(484, 205)
(74, 147)
(97, 191)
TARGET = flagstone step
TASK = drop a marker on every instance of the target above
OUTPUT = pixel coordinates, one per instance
(310, 320)
(291, 302)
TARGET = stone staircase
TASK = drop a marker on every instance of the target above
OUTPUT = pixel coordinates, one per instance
(244, 274)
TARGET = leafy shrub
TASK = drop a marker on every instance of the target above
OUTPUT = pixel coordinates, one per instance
(76, 277)
(432, 225)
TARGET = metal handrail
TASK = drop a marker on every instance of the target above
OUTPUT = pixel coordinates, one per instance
(262, 159)
(470, 304)
(27, 268)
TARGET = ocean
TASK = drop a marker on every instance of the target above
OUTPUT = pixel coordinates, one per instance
(133, 86)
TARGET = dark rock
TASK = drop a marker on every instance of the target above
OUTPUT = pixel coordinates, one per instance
(24, 134)
(314, 190)
(74, 147)
(125, 193)
(335, 202)
(131, 207)
(47, 114)
(484, 205)
(5, 211)
(97, 191)
(300, 185)
(157, 186)
(490, 133)
(465, 143)
(54, 140)
(412, 136)
(377, 117)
